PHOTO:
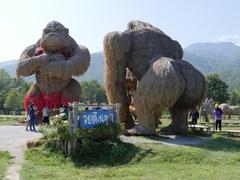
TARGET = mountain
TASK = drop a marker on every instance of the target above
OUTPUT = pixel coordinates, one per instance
(213, 57)
(9, 66)
(95, 70)
(222, 58)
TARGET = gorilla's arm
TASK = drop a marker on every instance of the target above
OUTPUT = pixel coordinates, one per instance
(28, 64)
(116, 49)
(73, 66)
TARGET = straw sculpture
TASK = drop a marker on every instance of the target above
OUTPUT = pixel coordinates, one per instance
(165, 81)
(54, 59)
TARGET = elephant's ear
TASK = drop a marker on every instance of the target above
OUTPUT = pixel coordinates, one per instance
(210, 101)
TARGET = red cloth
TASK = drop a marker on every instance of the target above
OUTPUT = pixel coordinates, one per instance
(40, 50)
(52, 101)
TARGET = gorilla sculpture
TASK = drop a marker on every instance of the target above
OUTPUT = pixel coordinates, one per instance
(54, 59)
(165, 81)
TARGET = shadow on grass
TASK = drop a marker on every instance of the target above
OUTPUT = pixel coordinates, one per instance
(218, 142)
(109, 153)
(222, 142)
(190, 138)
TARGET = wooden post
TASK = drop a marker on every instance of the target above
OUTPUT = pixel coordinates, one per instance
(117, 106)
(72, 125)
(70, 117)
(75, 111)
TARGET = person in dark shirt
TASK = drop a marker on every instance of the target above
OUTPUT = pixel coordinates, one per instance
(31, 118)
(217, 115)
(195, 115)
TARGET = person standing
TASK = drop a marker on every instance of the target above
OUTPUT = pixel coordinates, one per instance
(195, 115)
(45, 113)
(31, 118)
(217, 114)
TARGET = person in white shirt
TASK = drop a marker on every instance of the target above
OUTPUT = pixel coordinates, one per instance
(45, 112)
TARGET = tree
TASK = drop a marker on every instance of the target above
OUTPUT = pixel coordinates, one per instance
(12, 101)
(10, 89)
(21, 86)
(217, 88)
(5, 80)
(93, 92)
(234, 98)
(101, 96)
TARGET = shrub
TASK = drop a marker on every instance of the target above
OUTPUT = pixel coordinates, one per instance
(88, 141)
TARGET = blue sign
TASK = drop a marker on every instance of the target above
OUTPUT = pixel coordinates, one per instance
(96, 117)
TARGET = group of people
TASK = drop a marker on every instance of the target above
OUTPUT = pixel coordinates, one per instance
(217, 117)
(32, 115)
(31, 118)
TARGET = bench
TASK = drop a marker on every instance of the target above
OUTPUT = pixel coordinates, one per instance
(200, 128)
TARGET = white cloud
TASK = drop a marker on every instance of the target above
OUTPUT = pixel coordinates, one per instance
(230, 38)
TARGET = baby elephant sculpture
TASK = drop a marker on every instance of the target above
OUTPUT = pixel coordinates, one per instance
(54, 59)
(165, 81)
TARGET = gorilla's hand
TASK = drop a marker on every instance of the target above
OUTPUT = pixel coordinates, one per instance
(43, 58)
(47, 67)
(46, 58)
(56, 57)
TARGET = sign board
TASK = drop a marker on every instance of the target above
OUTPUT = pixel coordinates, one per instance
(96, 117)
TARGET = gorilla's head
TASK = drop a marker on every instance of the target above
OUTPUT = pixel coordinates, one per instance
(55, 37)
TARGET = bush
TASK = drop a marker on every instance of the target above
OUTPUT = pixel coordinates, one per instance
(56, 138)
(108, 152)
(88, 141)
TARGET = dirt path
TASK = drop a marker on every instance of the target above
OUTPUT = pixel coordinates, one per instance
(13, 139)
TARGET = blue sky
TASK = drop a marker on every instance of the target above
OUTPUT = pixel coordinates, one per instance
(188, 21)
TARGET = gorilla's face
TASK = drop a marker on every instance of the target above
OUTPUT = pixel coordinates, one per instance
(55, 37)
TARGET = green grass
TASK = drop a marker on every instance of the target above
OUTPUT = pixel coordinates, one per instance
(10, 119)
(4, 162)
(234, 126)
(218, 158)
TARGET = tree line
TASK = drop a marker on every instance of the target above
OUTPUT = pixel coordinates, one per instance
(13, 91)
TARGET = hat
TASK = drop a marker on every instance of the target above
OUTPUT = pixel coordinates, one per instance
(30, 104)
(216, 105)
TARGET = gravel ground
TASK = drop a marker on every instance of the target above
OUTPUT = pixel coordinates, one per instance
(13, 139)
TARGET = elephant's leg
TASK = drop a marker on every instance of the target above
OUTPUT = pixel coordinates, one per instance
(72, 92)
(179, 122)
(229, 116)
(206, 118)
